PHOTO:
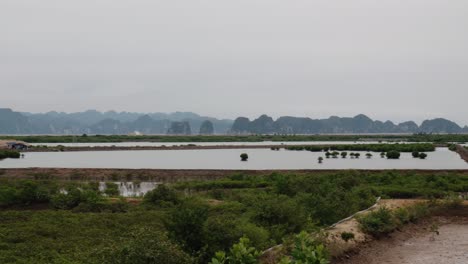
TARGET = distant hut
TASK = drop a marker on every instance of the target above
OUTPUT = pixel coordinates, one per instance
(16, 145)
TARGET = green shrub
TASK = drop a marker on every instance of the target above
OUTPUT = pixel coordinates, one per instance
(161, 196)
(186, 224)
(145, 245)
(112, 189)
(24, 192)
(306, 250)
(377, 222)
(393, 154)
(244, 157)
(240, 253)
(347, 236)
(12, 154)
(88, 200)
(402, 215)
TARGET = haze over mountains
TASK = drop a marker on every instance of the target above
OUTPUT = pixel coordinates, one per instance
(186, 123)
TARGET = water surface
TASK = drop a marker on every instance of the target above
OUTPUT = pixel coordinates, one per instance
(259, 159)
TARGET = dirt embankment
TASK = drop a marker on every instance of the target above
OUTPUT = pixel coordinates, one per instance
(463, 152)
(181, 147)
(168, 176)
(416, 243)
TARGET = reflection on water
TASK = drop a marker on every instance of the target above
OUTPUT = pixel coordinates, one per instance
(259, 159)
(131, 189)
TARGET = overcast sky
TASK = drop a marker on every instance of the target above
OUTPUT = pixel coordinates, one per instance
(389, 59)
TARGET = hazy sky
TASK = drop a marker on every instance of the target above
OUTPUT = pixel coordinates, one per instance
(389, 59)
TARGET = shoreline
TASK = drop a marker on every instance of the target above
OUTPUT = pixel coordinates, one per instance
(182, 147)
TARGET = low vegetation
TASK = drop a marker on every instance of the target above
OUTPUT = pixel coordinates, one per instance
(199, 221)
(12, 154)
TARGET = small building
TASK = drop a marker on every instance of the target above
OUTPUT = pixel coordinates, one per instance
(16, 145)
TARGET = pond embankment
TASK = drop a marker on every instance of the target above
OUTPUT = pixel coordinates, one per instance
(179, 147)
(463, 152)
(169, 176)
(437, 239)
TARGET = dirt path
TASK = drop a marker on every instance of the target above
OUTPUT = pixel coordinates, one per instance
(415, 245)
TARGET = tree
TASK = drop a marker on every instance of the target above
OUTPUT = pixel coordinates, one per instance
(422, 155)
(344, 154)
(357, 155)
(382, 154)
(415, 154)
(186, 224)
(244, 157)
(320, 159)
(369, 155)
(393, 154)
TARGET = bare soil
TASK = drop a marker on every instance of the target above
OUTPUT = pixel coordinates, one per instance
(418, 244)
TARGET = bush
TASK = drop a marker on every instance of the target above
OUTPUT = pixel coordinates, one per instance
(422, 155)
(24, 192)
(224, 229)
(306, 250)
(112, 189)
(240, 253)
(244, 157)
(145, 245)
(186, 224)
(393, 154)
(415, 154)
(377, 222)
(347, 236)
(12, 154)
(161, 196)
(280, 214)
(88, 200)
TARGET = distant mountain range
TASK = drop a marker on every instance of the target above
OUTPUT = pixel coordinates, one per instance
(184, 123)
(94, 122)
(334, 125)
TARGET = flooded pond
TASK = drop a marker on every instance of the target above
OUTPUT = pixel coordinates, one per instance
(170, 144)
(130, 189)
(259, 159)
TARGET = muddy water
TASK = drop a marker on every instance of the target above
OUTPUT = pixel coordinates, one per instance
(259, 159)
